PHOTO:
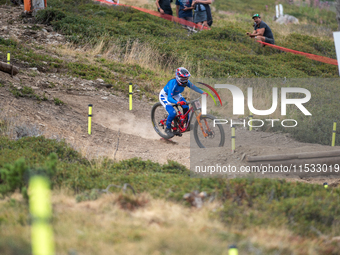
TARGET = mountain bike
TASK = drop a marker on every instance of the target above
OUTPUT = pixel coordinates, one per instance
(206, 134)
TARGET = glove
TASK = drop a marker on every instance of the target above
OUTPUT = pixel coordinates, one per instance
(181, 103)
(205, 93)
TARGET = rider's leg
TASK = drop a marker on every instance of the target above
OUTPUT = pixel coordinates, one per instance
(168, 107)
(172, 114)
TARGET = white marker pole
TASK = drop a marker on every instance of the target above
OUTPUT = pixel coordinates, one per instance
(277, 11)
(204, 104)
(336, 36)
(281, 10)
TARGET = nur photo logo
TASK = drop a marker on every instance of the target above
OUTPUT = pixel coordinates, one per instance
(238, 106)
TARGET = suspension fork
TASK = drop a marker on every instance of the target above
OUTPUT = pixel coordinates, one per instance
(198, 117)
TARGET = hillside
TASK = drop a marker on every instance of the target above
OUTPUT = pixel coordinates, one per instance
(77, 53)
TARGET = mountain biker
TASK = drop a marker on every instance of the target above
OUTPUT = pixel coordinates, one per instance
(171, 94)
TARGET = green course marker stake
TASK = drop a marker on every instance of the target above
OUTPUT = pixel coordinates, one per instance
(130, 96)
(334, 133)
(250, 121)
(90, 118)
(233, 250)
(41, 212)
(233, 137)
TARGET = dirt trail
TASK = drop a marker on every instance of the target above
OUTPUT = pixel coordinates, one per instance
(112, 120)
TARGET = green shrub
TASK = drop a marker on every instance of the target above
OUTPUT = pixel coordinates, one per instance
(14, 246)
(57, 101)
(24, 92)
(16, 175)
(7, 42)
(88, 195)
(48, 15)
(306, 209)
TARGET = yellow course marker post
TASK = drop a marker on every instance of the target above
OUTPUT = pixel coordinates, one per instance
(41, 212)
(233, 139)
(130, 96)
(250, 121)
(90, 118)
(8, 58)
(233, 250)
(334, 133)
(325, 185)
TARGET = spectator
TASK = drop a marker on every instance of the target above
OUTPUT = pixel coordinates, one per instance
(209, 16)
(201, 15)
(261, 31)
(184, 9)
(164, 6)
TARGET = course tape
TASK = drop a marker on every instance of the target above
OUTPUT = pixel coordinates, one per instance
(193, 25)
(308, 55)
(157, 14)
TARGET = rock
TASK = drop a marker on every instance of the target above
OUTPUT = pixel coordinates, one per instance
(195, 199)
(98, 55)
(44, 30)
(33, 69)
(336, 239)
(100, 80)
(287, 19)
(105, 98)
(35, 87)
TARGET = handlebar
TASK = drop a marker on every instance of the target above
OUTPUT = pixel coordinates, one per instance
(189, 102)
(192, 101)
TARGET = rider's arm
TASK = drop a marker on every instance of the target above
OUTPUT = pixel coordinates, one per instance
(171, 89)
(193, 87)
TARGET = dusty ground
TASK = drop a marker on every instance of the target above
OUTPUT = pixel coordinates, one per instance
(117, 132)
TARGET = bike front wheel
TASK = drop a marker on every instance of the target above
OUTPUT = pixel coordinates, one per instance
(214, 135)
(158, 118)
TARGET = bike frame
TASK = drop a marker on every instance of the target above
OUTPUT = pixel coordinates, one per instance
(183, 129)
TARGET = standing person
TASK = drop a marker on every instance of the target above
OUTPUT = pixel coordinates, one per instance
(261, 31)
(209, 16)
(164, 6)
(201, 15)
(184, 9)
(171, 94)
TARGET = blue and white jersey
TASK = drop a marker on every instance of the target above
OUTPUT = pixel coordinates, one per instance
(172, 89)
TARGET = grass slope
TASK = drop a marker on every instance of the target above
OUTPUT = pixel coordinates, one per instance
(221, 52)
(303, 209)
(300, 218)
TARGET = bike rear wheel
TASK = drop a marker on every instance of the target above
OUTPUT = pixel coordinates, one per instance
(216, 136)
(158, 114)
